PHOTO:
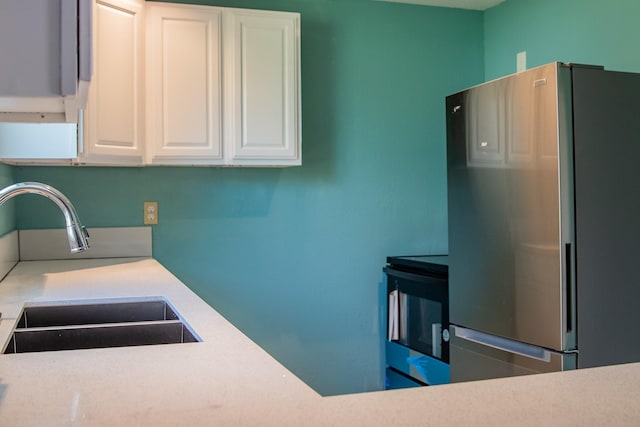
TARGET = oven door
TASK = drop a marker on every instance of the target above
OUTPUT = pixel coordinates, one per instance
(418, 313)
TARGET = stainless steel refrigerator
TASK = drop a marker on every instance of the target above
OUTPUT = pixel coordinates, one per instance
(544, 222)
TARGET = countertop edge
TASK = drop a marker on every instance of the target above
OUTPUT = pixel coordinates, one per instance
(230, 380)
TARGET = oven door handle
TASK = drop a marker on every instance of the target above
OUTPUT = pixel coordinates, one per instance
(393, 320)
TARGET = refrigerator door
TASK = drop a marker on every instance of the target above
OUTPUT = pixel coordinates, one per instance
(607, 153)
(508, 243)
(477, 356)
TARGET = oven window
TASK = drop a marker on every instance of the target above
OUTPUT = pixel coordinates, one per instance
(420, 324)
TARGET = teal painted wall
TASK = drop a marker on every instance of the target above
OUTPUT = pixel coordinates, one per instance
(7, 211)
(293, 257)
(580, 31)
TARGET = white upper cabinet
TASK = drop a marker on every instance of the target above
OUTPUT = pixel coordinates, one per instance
(262, 68)
(223, 86)
(177, 84)
(38, 143)
(184, 78)
(114, 119)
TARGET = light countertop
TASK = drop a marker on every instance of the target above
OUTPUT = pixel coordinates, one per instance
(229, 380)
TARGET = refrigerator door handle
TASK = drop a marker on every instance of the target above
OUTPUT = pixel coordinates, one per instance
(503, 344)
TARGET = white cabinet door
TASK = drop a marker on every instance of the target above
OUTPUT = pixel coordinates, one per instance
(184, 86)
(114, 118)
(262, 81)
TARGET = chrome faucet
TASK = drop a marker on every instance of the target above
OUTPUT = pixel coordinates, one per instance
(76, 232)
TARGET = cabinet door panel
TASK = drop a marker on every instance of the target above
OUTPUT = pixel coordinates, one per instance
(265, 108)
(115, 114)
(185, 83)
(184, 96)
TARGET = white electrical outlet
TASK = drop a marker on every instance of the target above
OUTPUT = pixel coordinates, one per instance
(521, 61)
(150, 213)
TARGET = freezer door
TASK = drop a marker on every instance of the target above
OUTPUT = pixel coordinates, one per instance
(479, 356)
(507, 251)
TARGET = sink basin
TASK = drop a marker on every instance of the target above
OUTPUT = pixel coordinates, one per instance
(98, 324)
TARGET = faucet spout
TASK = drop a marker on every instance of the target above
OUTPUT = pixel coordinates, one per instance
(76, 232)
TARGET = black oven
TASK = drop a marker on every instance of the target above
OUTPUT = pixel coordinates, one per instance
(417, 346)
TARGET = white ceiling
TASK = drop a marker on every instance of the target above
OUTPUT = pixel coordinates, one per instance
(462, 4)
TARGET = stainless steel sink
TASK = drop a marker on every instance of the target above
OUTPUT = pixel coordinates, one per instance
(73, 326)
